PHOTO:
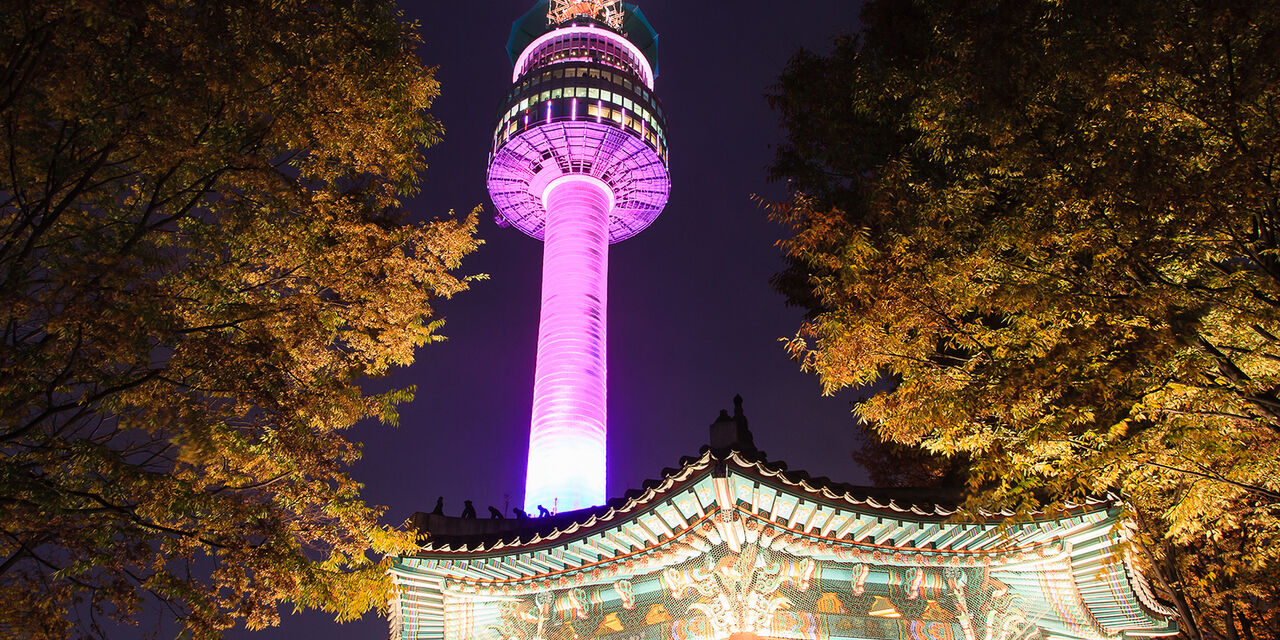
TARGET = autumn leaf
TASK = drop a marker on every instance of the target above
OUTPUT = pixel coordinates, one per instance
(203, 250)
(1051, 229)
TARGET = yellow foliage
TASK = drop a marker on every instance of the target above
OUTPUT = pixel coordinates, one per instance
(1060, 252)
(203, 249)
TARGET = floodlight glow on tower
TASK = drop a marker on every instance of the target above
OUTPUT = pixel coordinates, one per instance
(579, 161)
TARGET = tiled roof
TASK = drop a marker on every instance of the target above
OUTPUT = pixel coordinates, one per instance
(472, 534)
(1072, 566)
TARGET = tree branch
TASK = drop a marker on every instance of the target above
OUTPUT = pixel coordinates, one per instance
(35, 422)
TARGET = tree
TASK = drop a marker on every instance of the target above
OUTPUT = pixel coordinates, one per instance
(891, 464)
(203, 251)
(1054, 225)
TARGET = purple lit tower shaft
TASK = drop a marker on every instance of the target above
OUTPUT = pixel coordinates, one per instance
(579, 161)
(569, 389)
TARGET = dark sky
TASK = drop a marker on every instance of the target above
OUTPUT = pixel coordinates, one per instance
(692, 319)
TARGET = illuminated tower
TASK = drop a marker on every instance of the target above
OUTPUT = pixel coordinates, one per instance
(579, 161)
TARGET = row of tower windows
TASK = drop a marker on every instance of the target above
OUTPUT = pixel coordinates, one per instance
(584, 55)
(581, 46)
(559, 108)
(560, 73)
(589, 93)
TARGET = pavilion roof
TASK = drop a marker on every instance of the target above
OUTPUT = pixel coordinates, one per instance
(451, 534)
(1072, 562)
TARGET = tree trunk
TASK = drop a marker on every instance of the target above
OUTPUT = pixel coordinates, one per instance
(1190, 627)
(1247, 626)
(12, 560)
(1232, 634)
(1167, 576)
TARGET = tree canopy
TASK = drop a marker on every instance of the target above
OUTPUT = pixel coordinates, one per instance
(1053, 227)
(203, 251)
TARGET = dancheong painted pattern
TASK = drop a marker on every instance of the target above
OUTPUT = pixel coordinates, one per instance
(729, 546)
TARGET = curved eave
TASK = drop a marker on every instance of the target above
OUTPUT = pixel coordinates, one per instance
(733, 499)
(671, 519)
(817, 490)
(633, 502)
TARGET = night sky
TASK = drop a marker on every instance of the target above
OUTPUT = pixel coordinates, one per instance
(692, 319)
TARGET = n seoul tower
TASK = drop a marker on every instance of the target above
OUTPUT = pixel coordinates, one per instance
(579, 161)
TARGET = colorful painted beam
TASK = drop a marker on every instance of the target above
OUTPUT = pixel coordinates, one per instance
(700, 548)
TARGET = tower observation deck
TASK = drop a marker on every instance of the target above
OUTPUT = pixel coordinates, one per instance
(579, 161)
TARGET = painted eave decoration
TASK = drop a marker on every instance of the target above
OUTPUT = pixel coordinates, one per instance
(730, 544)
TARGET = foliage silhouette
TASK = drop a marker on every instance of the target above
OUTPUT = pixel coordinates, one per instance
(1053, 227)
(203, 249)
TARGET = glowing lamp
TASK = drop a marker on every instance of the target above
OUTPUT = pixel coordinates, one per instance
(610, 624)
(934, 612)
(882, 608)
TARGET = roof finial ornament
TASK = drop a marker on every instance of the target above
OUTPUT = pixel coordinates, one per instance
(731, 432)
